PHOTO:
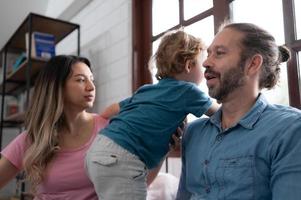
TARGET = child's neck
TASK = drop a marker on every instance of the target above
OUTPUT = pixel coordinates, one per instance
(181, 77)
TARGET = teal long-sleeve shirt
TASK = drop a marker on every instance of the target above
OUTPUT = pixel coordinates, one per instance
(257, 159)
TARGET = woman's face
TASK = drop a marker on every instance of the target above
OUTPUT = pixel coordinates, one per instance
(79, 90)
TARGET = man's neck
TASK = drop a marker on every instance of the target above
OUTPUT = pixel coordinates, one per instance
(235, 107)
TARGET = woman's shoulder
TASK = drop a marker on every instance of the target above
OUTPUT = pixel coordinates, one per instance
(100, 122)
(15, 150)
(20, 139)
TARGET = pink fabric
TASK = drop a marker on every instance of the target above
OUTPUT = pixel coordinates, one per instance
(66, 175)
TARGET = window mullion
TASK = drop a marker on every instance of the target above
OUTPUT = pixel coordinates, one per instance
(290, 40)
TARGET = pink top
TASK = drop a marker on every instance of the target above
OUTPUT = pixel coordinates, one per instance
(66, 176)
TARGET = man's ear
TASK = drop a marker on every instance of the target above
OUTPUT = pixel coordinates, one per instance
(254, 64)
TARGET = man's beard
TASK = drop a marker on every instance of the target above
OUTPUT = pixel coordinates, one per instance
(232, 79)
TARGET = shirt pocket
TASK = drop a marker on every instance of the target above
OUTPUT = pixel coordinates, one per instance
(104, 160)
(235, 177)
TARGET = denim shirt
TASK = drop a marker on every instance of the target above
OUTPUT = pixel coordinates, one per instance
(258, 158)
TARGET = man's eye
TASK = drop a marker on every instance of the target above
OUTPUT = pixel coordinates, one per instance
(220, 53)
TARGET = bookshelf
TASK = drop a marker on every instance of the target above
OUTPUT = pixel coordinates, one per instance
(19, 81)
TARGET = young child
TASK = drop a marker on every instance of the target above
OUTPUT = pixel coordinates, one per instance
(137, 139)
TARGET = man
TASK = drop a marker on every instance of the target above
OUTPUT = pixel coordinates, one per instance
(249, 149)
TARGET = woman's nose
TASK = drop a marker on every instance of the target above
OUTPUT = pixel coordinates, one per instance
(90, 85)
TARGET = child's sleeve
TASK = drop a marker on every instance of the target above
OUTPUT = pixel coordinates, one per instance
(15, 151)
(197, 101)
(125, 102)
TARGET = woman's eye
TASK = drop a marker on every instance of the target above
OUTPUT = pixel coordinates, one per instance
(80, 80)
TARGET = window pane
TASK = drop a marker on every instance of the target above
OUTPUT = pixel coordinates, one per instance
(154, 69)
(298, 17)
(243, 11)
(279, 95)
(165, 15)
(203, 29)
(194, 7)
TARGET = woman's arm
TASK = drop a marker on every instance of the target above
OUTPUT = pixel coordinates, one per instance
(7, 171)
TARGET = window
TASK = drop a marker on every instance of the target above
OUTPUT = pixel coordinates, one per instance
(203, 29)
(299, 61)
(198, 15)
(194, 7)
(243, 11)
(298, 18)
(165, 15)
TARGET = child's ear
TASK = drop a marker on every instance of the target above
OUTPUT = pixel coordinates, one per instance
(188, 66)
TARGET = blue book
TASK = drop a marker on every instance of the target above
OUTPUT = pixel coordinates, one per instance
(43, 45)
(19, 61)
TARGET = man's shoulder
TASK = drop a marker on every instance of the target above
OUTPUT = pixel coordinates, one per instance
(283, 112)
(199, 121)
(198, 124)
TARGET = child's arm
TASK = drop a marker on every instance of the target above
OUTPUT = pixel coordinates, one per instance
(214, 107)
(111, 111)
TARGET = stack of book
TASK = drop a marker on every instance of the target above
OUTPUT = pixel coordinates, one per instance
(42, 45)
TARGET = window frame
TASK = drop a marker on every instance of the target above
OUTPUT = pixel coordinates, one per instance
(221, 11)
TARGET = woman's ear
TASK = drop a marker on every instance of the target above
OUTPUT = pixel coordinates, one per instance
(254, 64)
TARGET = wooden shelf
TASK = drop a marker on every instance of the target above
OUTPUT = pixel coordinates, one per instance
(19, 83)
(18, 117)
(60, 29)
(14, 120)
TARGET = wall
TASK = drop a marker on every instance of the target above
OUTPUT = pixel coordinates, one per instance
(106, 39)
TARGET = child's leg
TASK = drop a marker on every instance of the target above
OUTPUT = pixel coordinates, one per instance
(115, 173)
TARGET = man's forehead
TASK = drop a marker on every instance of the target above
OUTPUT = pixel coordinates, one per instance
(227, 38)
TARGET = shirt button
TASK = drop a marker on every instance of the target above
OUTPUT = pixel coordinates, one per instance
(219, 138)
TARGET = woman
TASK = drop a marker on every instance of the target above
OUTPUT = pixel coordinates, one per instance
(59, 132)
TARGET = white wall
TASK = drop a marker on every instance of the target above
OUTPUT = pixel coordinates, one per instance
(106, 39)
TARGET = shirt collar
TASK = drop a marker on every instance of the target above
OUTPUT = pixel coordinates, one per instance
(250, 118)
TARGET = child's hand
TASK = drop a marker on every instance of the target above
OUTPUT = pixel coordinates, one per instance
(175, 143)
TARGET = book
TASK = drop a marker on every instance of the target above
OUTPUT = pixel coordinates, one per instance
(42, 45)
(10, 60)
(20, 59)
